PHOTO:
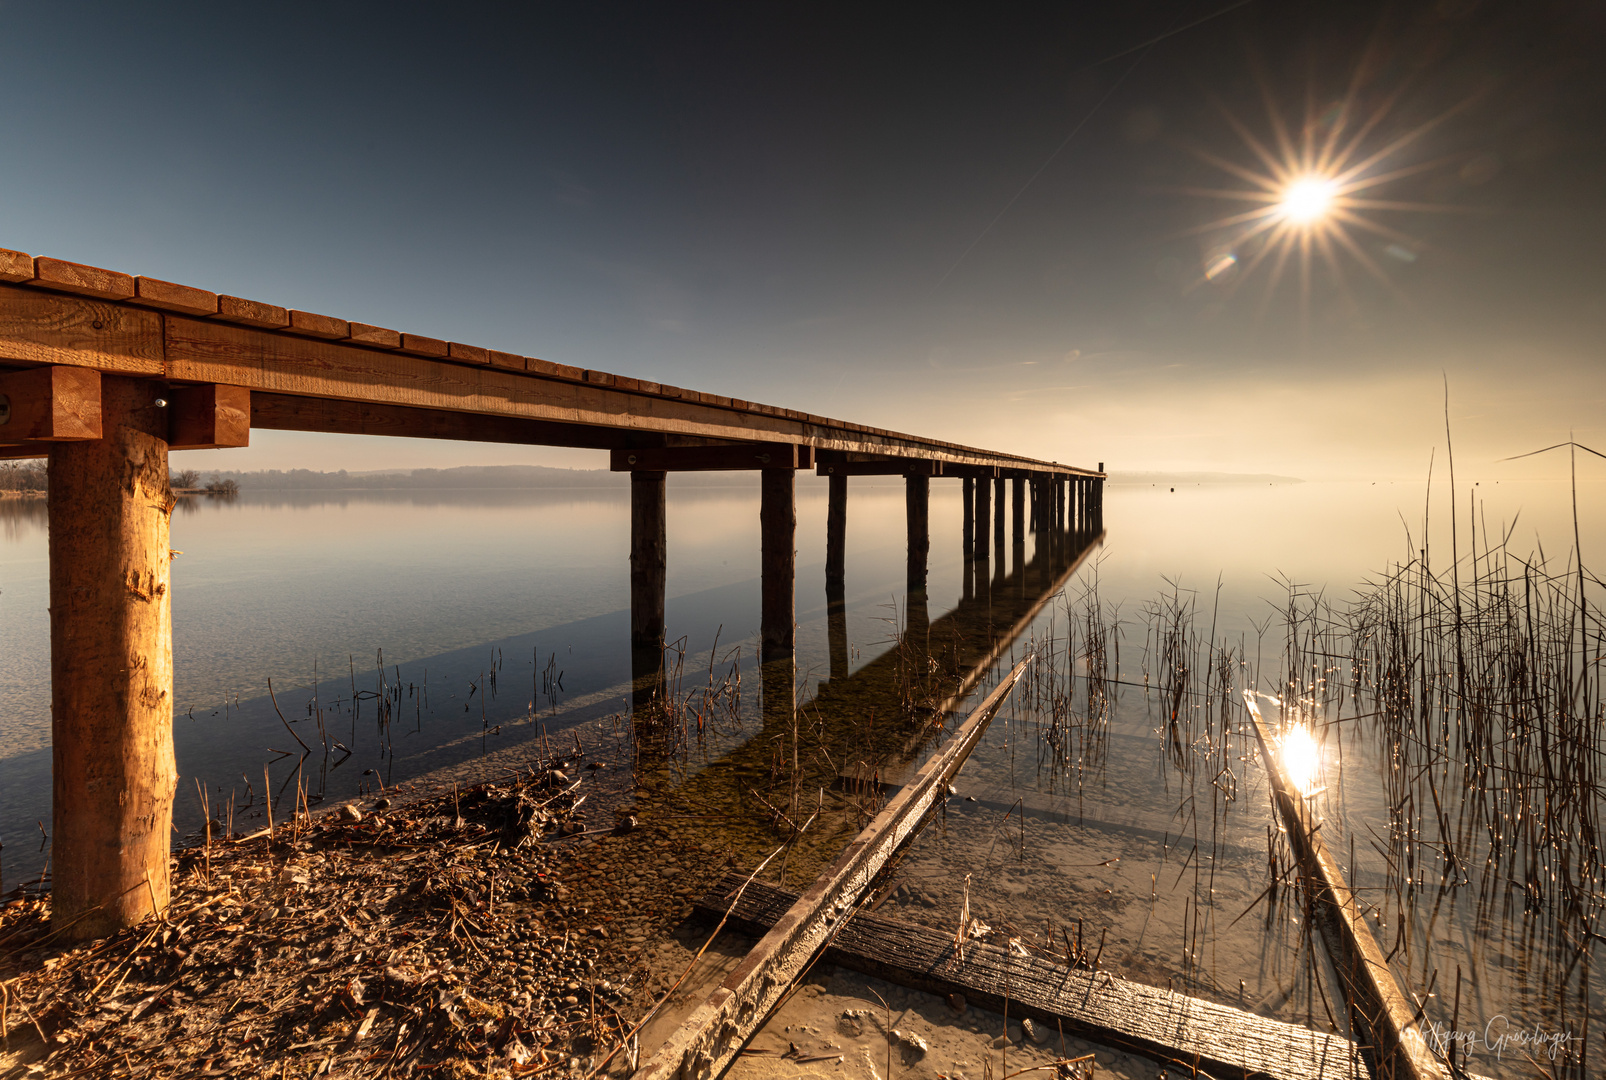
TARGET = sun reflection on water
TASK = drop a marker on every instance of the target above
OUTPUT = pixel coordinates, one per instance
(1302, 759)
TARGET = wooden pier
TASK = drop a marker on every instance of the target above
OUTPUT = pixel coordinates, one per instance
(104, 373)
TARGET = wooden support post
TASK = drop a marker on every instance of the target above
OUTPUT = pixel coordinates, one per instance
(917, 515)
(969, 487)
(1000, 501)
(111, 666)
(983, 519)
(836, 530)
(1018, 533)
(649, 550)
(1018, 518)
(777, 620)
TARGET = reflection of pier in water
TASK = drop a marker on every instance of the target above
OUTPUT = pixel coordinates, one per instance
(878, 718)
(104, 373)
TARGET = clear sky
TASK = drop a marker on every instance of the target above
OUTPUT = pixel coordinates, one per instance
(991, 226)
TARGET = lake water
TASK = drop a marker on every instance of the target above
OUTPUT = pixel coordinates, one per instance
(458, 613)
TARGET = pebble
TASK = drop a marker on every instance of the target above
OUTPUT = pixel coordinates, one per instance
(956, 1002)
(1014, 1032)
(911, 1046)
(348, 812)
(851, 1023)
(1034, 1032)
(1000, 1042)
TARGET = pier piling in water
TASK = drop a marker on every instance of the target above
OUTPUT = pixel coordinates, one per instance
(777, 614)
(649, 558)
(111, 666)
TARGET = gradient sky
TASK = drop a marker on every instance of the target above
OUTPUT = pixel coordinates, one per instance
(969, 225)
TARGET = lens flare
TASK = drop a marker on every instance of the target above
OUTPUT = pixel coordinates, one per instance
(1302, 759)
(1308, 199)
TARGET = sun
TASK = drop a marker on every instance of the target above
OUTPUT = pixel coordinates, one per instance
(1308, 199)
(1312, 191)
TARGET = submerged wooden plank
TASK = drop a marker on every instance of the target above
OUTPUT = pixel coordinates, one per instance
(1061, 810)
(1173, 1029)
(1369, 986)
(714, 1033)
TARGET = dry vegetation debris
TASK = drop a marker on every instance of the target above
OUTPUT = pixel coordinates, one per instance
(433, 939)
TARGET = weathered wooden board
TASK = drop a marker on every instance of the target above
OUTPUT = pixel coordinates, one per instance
(1173, 1029)
(47, 328)
(714, 1033)
(1369, 987)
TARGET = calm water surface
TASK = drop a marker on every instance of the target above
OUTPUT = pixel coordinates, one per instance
(460, 612)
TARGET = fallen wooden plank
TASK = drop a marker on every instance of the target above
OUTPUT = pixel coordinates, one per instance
(714, 1033)
(1173, 1029)
(1374, 998)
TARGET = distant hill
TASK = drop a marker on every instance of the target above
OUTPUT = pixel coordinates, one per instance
(467, 476)
(1173, 478)
(481, 477)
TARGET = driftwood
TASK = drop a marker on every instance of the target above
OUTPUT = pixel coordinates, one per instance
(1400, 1052)
(714, 1033)
(1173, 1029)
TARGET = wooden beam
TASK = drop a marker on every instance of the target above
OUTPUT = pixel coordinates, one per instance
(742, 456)
(64, 313)
(49, 404)
(48, 328)
(283, 412)
(714, 1033)
(1170, 1028)
(884, 467)
(208, 417)
(111, 667)
(1369, 987)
